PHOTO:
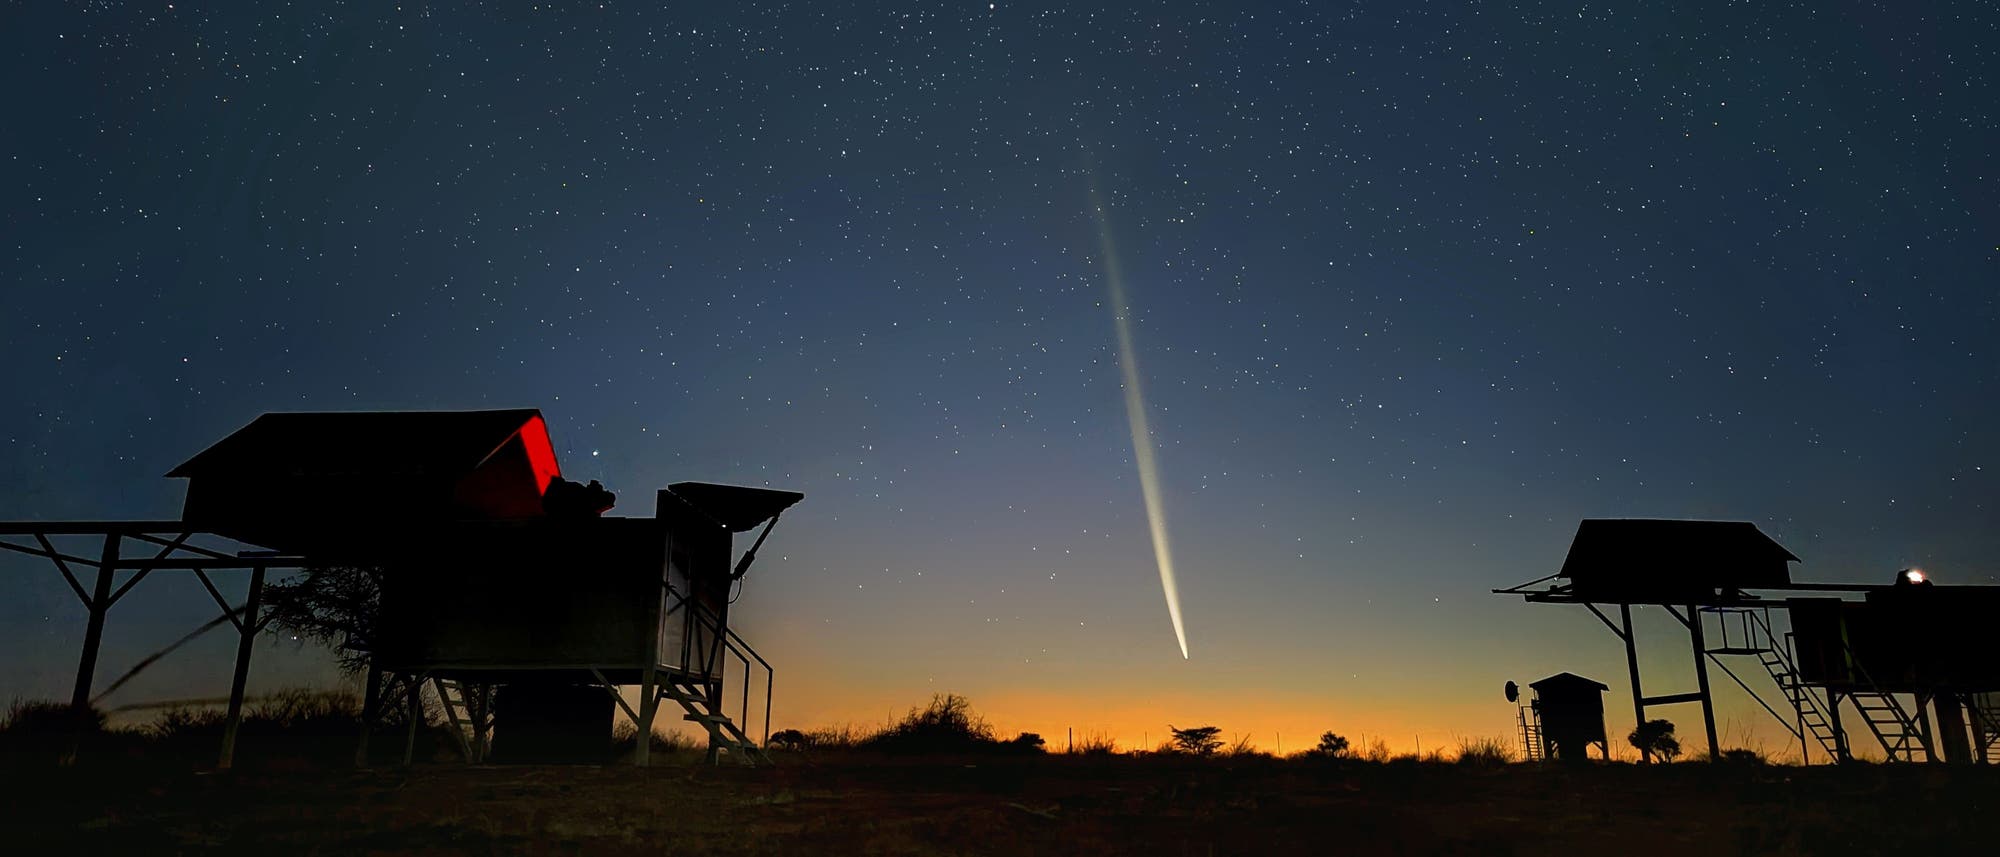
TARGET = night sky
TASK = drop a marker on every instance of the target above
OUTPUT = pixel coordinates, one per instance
(1412, 288)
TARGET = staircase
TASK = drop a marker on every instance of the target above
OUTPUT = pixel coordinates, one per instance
(1747, 631)
(1813, 718)
(1984, 710)
(692, 693)
(696, 683)
(1902, 739)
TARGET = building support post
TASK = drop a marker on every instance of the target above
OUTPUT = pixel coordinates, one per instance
(1841, 754)
(246, 641)
(93, 629)
(1924, 728)
(414, 687)
(1951, 729)
(1701, 681)
(371, 710)
(1632, 666)
(1977, 718)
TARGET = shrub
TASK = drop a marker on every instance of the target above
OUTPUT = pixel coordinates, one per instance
(1484, 752)
(790, 739)
(1378, 752)
(1744, 756)
(1094, 744)
(946, 725)
(1655, 738)
(48, 717)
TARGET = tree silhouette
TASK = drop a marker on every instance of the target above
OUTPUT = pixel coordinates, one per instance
(1331, 745)
(1655, 738)
(1197, 740)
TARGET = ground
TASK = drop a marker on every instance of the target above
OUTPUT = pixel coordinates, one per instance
(1034, 805)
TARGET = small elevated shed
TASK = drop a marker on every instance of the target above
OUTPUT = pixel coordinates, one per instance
(1570, 709)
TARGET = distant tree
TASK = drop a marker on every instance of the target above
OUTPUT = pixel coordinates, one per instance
(1331, 745)
(1029, 741)
(1196, 741)
(339, 607)
(1655, 738)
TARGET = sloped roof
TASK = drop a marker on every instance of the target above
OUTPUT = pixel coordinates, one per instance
(1567, 680)
(734, 506)
(387, 444)
(1728, 553)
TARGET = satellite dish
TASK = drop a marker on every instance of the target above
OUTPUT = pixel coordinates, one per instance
(1513, 692)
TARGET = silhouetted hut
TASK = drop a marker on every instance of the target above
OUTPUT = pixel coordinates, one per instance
(1571, 709)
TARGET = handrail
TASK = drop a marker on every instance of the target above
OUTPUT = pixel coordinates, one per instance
(725, 642)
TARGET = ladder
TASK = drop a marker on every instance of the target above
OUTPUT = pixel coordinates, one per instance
(1531, 734)
(468, 710)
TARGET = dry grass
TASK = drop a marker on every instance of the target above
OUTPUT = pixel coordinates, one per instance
(1484, 752)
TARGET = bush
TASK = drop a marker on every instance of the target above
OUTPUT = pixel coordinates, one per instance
(946, 725)
(1655, 738)
(790, 739)
(1377, 753)
(1094, 744)
(1744, 756)
(48, 717)
(1484, 752)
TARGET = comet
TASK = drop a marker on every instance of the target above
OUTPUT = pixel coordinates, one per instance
(1135, 419)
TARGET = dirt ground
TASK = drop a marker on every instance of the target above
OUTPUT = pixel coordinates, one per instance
(1041, 805)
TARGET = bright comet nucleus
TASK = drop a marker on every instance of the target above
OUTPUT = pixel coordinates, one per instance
(1135, 417)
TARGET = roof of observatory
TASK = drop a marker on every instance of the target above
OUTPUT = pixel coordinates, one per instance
(380, 443)
(1664, 561)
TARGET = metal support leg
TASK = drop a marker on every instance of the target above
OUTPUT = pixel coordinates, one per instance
(1701, 680)
(93, 629)
(245, 641)
(1632, 666)
(415, 687)
(371, 710)
(1841, 753)
(649, 705)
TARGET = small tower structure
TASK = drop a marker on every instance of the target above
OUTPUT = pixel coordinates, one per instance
(1570, 712)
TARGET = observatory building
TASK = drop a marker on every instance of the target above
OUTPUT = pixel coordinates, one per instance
(504, 589)
(1907, 657)
(1567, 717)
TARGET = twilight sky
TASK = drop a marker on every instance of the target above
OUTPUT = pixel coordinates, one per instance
(1412, 287)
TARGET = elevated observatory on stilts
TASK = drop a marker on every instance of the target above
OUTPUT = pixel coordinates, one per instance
(1911, 660)
(505, 589)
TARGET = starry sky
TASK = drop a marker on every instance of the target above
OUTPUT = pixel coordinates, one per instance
(1412, 287)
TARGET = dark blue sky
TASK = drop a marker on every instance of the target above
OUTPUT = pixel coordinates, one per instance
(1413, 288)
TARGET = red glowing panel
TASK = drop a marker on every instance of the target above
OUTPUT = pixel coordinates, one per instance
(541, 454)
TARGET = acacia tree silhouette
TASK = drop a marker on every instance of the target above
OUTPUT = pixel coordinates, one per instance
(1197, 740)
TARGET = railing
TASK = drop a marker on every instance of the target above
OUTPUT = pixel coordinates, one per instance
(706, 643)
